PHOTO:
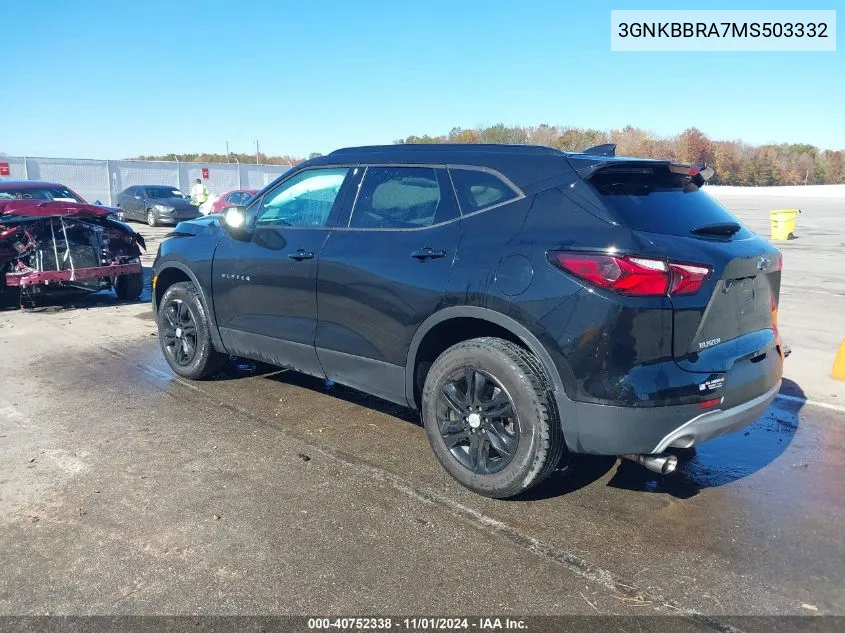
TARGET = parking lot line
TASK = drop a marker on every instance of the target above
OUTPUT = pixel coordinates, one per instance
(813, 403)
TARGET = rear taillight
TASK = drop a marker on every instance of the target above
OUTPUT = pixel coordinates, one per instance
(635, 276)
(687, 278)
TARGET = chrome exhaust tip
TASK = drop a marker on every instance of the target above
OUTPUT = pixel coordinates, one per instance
(663, 464)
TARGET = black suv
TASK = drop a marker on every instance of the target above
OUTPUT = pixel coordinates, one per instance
(529, 303)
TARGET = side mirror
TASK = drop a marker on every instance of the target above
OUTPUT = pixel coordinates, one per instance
(234, 219)
(98, 203)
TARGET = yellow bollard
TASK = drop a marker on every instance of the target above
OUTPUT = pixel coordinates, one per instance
(839, 363)
(783, 223)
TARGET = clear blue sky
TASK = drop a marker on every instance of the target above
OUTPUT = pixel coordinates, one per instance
(90, 78)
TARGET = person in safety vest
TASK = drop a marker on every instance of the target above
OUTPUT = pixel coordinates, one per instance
(199, 193)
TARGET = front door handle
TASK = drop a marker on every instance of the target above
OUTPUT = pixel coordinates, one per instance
(301, 255)
(424, 254)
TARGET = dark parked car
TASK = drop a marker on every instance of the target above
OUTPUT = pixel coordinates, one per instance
(233, 199)
(529, 303)
(156, 204)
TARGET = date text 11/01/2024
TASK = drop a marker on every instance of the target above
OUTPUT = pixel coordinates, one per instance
(417, 624)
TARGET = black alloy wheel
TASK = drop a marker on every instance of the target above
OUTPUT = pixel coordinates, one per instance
(477, 421)
(490, 416)
(179, 332)
(184, 332)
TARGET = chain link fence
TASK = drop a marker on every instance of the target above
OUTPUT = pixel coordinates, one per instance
(103, 179)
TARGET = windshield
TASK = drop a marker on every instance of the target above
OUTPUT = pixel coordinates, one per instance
(58, 194)
(159, 193)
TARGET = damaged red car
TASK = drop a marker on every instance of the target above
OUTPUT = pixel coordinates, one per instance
(59, 244)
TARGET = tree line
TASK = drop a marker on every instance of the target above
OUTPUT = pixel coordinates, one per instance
(735, 162)
(233, 157)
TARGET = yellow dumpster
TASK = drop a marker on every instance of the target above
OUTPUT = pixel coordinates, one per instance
(783, 223)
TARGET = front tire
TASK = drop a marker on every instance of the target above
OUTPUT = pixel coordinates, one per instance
(129, 287)
(151, 218)
(490, 417)
(184, 332)
(10, 296)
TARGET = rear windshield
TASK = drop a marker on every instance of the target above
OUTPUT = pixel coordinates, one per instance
(660, 202)
(57, 194)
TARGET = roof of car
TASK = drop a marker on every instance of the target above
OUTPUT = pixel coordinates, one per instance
(522, 164)
(448, 148)
(28, 184)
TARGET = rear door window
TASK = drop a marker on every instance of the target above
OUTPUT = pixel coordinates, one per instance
(401, 198)
(659, 201)
(477, 189)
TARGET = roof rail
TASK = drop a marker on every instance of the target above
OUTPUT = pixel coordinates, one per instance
(607, 149)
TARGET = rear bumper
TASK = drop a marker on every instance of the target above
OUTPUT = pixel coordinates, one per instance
(604, 429)
(607, 430)
(718, 422)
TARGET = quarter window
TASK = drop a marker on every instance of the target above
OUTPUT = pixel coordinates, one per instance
(399, 198)
(306, 200)
(479, 189)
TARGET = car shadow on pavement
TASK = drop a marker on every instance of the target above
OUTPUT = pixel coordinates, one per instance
(725, 459)
(240, 368)
(715, 463)
(580, 471)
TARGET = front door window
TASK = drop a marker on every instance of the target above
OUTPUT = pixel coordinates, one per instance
(306, 200)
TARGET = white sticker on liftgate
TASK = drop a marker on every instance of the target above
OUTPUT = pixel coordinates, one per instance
(710, 385)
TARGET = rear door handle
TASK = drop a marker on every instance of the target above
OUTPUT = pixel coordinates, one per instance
(427, 253)
(301, 255)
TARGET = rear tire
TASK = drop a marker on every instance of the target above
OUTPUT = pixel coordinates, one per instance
(184, 333)
(151, 218)
(476, 419)
(129, 287)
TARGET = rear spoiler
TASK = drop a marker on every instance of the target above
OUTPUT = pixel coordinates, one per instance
(588, 165)
(608, 149)
(699, 174)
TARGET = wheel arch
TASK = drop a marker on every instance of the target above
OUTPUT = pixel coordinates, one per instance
(175, 272)
(507, 328)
